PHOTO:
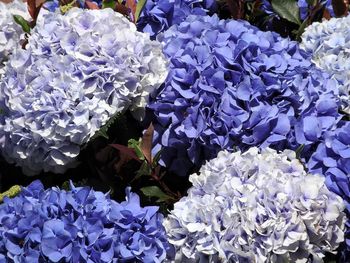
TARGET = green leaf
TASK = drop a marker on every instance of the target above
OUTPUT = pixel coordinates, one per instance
(108, 4)
(136, 145)
(145, 169)
(22, 22)
(287, 9)
(12, 192)
(155, 191)
(139, 7)
(65, 186)
(104, 129)
(301, 30)
(65, 8)
(299, 151)
(156, 159)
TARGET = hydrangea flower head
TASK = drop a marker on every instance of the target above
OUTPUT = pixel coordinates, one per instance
(79, 225)
(256, 207)
(78, 71)
(332, 159)
(158, 15)
(232, 85)
(10, 31)
(328, 42)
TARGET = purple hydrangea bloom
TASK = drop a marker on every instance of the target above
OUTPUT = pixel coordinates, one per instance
(158, 15)
(232, 85)
(79, 70)
(79, 225)
(256, 207)
(332, 159)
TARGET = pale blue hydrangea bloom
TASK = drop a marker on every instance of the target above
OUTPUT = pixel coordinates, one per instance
(10, 31)
(329, 44)
(78, 70)
(256, 207)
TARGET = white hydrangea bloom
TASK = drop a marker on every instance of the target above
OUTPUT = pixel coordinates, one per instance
(10, 31)
(77, 71)
(329, 44)
(256, 207)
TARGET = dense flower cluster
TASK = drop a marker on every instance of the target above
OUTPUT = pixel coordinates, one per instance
(304, 7)
(158, 15)
(256, 207)
(332, 159)
(10, 31)
(79, 225)
(328, 42)
(232, 85)
(78, 71)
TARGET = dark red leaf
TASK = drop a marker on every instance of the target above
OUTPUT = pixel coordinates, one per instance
(236, 8)
(131, 4)
(126, 151)
(146, 143)
(326, 14)
(122, 9)
(32, 8)
(340, 7)
(91, 5)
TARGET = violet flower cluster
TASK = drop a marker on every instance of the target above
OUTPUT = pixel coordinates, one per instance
(158, 15)
(256, 207)
(328, 42)
(10, 32)
(232, 85)
(332, 159)
(78, 71)
(79, 225)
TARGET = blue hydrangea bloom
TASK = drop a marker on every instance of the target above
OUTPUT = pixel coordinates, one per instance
(256, 207)
(304, 8)
(78, 70)
(158, 15)
(79, 225)
(232, 85)
(332, 159)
